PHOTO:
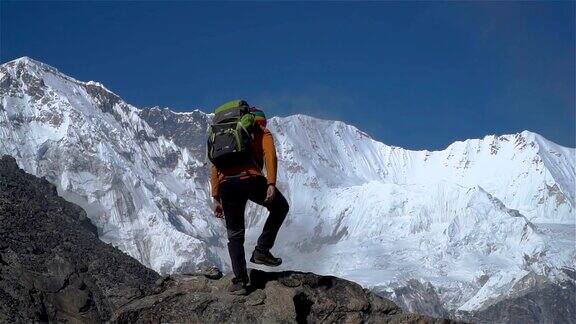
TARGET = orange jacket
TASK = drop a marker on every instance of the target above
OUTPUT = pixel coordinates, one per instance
(263, 149)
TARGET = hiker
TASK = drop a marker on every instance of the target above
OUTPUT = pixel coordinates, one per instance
(239, 145)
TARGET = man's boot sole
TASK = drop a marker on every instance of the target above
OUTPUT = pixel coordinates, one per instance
(264, 263)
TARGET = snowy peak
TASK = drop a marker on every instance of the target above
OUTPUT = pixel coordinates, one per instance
(34, 66)
(30, 71)
(34, 75)
(523, 169)
(27, 62)
(56, 93)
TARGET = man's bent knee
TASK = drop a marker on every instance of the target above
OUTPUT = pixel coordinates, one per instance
(281, 207)
(285, 207)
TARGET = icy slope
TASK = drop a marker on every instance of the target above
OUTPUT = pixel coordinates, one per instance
(526, 171)
(463, 240)
(472, 220)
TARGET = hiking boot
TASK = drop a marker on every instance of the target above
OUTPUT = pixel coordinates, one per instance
(265, 258)
(238, 286)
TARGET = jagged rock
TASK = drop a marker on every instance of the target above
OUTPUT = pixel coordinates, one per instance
(417, 297)
(543, 301)
(286, 297)
(211, 272)
(53, 268)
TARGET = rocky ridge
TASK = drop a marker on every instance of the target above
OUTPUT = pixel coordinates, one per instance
(278, 297)
(53, 267)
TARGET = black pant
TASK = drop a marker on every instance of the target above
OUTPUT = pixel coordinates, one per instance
(234, 194)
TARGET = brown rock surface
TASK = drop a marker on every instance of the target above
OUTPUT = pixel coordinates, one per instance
(275, 297)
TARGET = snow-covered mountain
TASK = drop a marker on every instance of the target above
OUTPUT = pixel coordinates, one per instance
(469, 223)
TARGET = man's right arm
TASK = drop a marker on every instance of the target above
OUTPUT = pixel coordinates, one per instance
(270, 159)
(215, 183)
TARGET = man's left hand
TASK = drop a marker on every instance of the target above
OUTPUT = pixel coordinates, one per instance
(270, 194)
(218, 210)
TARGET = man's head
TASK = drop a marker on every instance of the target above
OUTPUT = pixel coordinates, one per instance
(260, 116)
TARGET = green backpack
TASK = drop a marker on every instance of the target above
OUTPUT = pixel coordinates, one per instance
(230, 135)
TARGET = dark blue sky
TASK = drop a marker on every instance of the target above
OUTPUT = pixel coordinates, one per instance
(417, 75)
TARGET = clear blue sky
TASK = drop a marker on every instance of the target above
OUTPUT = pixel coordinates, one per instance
(417, 75)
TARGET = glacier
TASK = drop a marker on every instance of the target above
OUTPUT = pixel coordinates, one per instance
(473, 220)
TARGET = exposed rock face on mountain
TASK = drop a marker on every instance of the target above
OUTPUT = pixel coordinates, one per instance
(183, 128)
(537, 300)
(462, 226)
(53, 268)
(416, 295)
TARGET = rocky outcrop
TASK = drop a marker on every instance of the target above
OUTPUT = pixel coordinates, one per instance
(540, 301)
(53, 268)
(282, 297)
(415, 296)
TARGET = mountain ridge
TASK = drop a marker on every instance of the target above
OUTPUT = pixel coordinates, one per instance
(29, 60)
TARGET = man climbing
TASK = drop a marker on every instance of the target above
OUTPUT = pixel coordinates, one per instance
(239, 145)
